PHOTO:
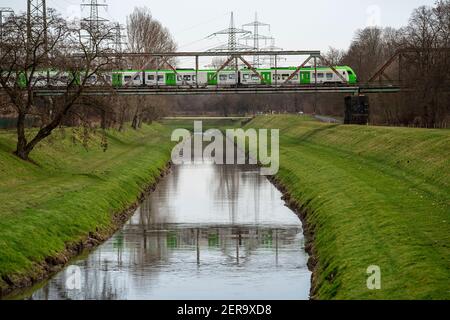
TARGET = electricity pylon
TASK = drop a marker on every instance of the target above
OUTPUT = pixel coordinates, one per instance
(256, 37)
(232, 32)
(37, 21)
(94, 21)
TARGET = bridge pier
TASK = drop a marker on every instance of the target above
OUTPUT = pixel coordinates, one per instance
(357, 109)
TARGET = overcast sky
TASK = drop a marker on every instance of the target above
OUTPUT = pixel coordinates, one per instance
(296, 24)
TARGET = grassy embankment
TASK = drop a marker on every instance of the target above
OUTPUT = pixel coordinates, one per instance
(70, 193)
(374, 196)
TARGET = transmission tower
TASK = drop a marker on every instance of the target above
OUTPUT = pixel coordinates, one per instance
(37, 20)
(232, 32)
(273, 60)
(256, 37)
(94, 21)
(3, 11)
(233, 46)
(119, 38)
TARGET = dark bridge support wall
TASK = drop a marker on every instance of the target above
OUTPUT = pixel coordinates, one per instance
(357, 110)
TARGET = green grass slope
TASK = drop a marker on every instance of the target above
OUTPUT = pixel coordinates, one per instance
(375, 196)
(70, 192)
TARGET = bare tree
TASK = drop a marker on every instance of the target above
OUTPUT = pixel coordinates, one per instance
(27, 59)
(146, 34)
(334, 56)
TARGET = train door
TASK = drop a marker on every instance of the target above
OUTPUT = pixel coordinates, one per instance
(305, 77)
(267, 76)
(171, 79)
(212, 79)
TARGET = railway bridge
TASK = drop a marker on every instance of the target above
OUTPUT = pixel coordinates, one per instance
(277, 86)
(285, 84)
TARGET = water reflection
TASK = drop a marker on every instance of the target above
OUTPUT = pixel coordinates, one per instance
(207, 232)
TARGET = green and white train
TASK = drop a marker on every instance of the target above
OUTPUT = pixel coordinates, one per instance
(244, 77)
(188, 77)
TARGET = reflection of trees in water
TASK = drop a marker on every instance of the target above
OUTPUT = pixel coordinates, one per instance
(226, 183)
(97, 282)
(148, 242)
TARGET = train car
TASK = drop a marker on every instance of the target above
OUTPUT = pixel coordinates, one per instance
(62, 79)
(326, 75)
(227, 78)
(48, 78)
(40, 79)
(151, 78)
(183, 77)
(306, 76)
(188, 77)
(133, 78)
(269, 76)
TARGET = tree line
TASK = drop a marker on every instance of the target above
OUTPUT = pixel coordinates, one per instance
(424, 68)
(423, 72)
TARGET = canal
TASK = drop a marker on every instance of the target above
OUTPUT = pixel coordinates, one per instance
(206, 232)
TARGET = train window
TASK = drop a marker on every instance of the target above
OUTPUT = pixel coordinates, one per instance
(329, 76)
(295, 77)
(320, 75)
(255, 77)
(223, 77)
(349, 72)
(137, 78)
(179, 78)
(150, 77)
(194, 78)
(231, 76)
(160, 78)
(127, 78)
(187, 78)
(246, 76)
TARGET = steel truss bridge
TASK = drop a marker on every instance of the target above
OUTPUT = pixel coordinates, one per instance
(107, 91)
(233, 59)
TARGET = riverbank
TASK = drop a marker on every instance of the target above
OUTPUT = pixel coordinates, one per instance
(370, 196)
(71, 198)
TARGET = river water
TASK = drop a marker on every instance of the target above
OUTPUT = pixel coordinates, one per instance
(206, 232)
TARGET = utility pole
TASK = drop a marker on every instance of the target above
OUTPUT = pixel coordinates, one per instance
(94, 21)
(256, 37)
